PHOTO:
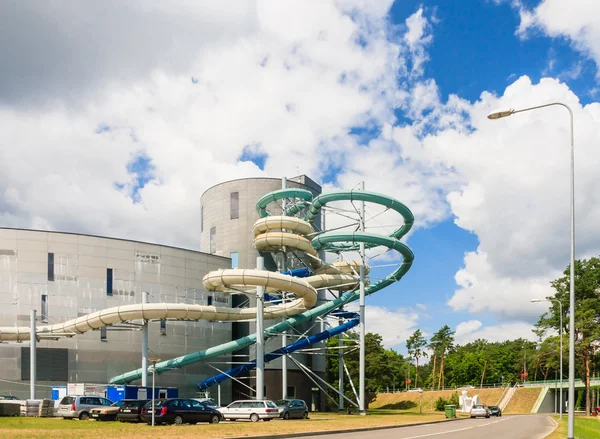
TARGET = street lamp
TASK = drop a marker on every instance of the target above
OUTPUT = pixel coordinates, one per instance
(509, 112)
(561, 346)
(154, 361)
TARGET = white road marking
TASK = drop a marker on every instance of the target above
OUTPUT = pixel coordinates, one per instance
(441, 432)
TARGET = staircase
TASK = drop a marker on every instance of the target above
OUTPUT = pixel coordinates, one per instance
(507, 396)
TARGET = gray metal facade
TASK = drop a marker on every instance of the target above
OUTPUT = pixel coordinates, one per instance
(232, 235)
(68, 274)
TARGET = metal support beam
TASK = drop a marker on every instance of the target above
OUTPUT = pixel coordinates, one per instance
(32, 355)
(284, 341)
(145, 345)
(260, 336)
(341, 368)
(361, 384)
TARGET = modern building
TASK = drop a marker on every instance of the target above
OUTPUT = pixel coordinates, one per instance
(64, 275)
(228, 212)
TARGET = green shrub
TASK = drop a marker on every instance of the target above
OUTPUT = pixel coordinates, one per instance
(440, 404)
(454, 399)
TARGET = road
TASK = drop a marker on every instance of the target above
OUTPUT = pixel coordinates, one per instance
(513, 427)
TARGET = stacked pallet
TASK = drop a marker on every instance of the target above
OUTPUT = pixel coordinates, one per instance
(10, 408)
(30, 407)
(46, 408)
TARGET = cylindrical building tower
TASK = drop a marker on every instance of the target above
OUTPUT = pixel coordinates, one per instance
(228, 212)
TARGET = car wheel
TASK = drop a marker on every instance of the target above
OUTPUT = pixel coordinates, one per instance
(215, 419)
(286, 415)
(305, 415)
(254, 417)
(84, 416)
(178, 420)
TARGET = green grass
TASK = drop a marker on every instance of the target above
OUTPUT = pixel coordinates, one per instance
(57, 428)
(585, 428)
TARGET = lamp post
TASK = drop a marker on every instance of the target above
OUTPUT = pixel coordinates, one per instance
(561, 346)
(154, 361)
(505, 113)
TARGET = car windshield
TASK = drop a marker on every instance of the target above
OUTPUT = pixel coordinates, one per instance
(117, 404)
(493, 407)
(68, 400)
(157, 403)
(478, 406)
(282, 402)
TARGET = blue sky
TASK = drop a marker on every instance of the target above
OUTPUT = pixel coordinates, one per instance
(130, 128)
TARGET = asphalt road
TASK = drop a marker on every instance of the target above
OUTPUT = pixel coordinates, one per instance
(513, 427)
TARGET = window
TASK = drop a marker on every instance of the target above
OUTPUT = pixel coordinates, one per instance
(291, 392)
(213, 239)
(103, 333)
(234, 205)
(201, 218)
(234, 259)
(163, 327)
(51, 266)
(109, 281)
(44, 308)
(209, 300)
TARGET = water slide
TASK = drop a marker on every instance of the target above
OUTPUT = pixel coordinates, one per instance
(273, 233)
(293, 231)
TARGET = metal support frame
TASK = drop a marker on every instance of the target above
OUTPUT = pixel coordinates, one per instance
(284, 341)
(32, 354)
(145, 345)
(309, 372)
(260, 335)
(361, 384)
(341, 368)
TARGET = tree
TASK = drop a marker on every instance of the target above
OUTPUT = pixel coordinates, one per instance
(587, 313)
(416, 345)
(441, 342)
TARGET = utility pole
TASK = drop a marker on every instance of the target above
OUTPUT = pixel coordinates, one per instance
(260, 336)
(361, 406)
(32, 354)
(145, 345)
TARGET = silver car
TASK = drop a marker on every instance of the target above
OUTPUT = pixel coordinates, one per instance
(480, 411)
(250, 409)
(71, 407)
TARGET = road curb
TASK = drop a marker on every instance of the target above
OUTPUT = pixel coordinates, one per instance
(351, 430)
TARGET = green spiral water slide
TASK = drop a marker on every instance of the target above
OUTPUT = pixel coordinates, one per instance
(328, 241)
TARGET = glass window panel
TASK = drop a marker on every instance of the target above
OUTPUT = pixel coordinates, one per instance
(235, 205)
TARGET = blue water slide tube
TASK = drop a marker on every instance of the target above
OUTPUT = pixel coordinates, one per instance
(297, 345)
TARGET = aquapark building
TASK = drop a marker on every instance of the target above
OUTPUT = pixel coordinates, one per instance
(93, 295)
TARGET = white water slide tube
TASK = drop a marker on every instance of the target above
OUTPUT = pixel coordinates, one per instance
(227, 281)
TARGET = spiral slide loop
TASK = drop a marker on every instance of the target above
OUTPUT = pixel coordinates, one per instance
(285, 232)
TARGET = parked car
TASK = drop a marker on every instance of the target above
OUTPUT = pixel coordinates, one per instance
(495, 410)
(415, 389)
(8, 398)
(466, 387)
(107, 413)
(71, 407)
(480, 410)
(179, 411)
(209, 402)
(292, 408)
(131, 410)
(251, 409)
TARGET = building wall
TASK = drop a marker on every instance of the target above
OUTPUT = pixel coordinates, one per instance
(77, 284)
(234, 235)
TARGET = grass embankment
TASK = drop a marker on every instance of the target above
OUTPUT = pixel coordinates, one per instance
(585, 428)
(410, 400)
(523, 400)
(57, 428)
